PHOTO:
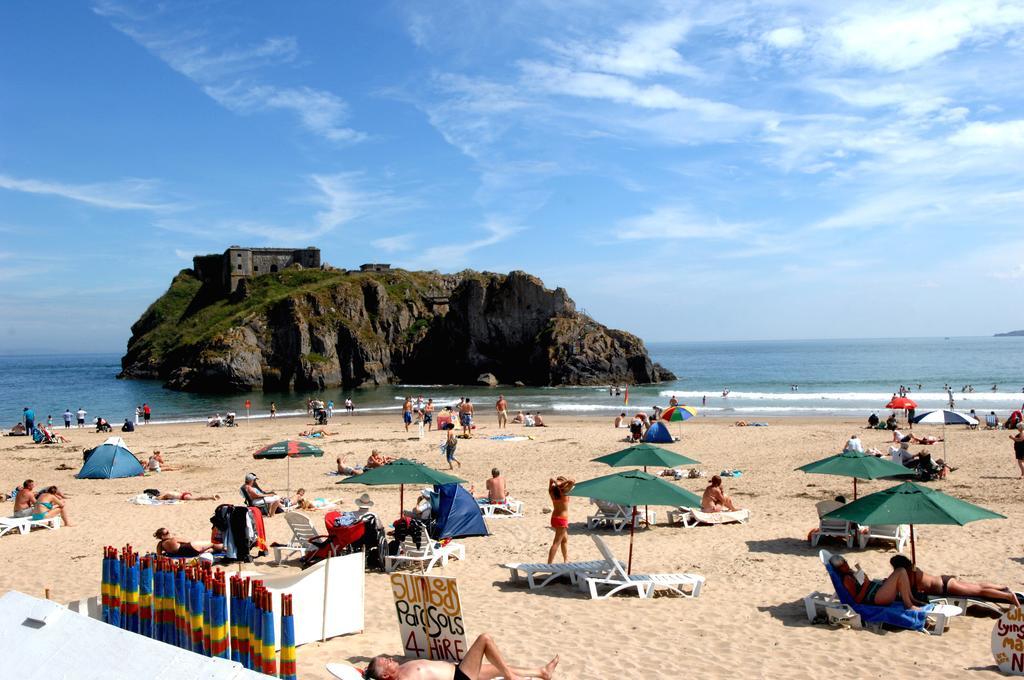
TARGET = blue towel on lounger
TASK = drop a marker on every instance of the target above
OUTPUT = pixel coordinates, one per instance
(894, 614)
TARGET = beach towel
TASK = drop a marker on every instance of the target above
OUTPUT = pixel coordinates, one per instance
(720, 517)
(894, 614)
(509, 438)
(145, 499)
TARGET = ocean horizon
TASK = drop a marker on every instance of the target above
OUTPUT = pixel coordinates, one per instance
(847, 378)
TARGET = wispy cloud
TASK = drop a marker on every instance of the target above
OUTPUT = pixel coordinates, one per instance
(1007, 134)
(229, 74)
(128, 194)
(677, 222)
(322, 113)
(447, 257)
(394, 244)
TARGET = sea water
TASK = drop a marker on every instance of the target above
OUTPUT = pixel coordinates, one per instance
(763, 378)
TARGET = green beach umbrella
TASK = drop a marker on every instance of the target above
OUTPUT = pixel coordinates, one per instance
(645, 455)
(909, 503)
(634, 488)
(289, 449)
(402, 471)
(858, 465)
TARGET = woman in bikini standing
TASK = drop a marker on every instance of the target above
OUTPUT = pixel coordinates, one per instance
(558, 490)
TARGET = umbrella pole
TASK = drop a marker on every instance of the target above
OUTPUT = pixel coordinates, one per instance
(944, 459)
(854, 488)
(632, 528)
(913, 548)
(401, 500)
(646, 509)
(289, 483)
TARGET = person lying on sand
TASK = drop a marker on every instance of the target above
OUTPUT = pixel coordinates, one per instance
(472, 666)
(176, 546)
(714, 499)
(347, 470)
(377, 459)
(927, 440)
(178, 496)
(316, 432)
(947, 584)
(875, 592)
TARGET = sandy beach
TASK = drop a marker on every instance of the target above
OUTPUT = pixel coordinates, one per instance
(749, 621)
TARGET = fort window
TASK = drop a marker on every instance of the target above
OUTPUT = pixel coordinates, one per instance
(273, 268)
(256, 268)
(239, 266)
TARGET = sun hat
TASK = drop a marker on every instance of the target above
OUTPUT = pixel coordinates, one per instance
(364, 501)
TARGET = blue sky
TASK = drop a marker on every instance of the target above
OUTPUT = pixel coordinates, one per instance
(719, 170)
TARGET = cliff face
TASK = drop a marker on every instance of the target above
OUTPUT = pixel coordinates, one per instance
(310, 329)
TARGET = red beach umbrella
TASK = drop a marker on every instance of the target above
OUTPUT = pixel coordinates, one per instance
(901, 403)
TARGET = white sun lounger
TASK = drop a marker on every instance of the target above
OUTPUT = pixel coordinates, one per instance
(302, 533)
(834, 528)
(691, 517)
(426, 556)
(510, 508)
(645, 584)
(534, 571)
(23, 525)
(617, 517)
(894, 533)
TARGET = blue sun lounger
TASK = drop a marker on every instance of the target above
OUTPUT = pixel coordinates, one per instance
(895, 615)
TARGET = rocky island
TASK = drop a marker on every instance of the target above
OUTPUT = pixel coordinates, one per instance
(1010, 334)
(274, 319)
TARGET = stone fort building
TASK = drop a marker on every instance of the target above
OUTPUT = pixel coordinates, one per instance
(225, 271)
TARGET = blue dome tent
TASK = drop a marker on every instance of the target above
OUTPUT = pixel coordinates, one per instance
(658, 434)
(458, 514)
(111, 460)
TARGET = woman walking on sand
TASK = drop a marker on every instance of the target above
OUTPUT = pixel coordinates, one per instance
(558, 490)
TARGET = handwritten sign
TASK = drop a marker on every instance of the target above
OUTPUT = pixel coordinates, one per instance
(429, 616)
(1008, 642)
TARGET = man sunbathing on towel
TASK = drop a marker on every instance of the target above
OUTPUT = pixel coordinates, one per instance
(944, 585)
(346, 470)
(377, 459)
(316, 432)
(875, 592)
(175, 546)
(178, 496)
(714, 499)
(472, 666)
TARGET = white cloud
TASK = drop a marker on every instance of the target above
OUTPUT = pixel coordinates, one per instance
(393, 244)
(785, 38)
(320, 112)
(896, 37)
(640, 51)
(198, 56)
(128, 194)
(676, 222)
(1008, 134)
(455, 254)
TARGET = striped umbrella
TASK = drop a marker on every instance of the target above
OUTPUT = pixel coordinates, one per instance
(105, 584)
(219, 621)
(945, 418)
(234, 610)
(181, 595)
(287, 670)
(269, 643)
(196, 614)
(208, 614)
(255, 630)
(146, 597)
(244, 631)
(679, 414)
(131, 619)
(288, 449)
(115, 591)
